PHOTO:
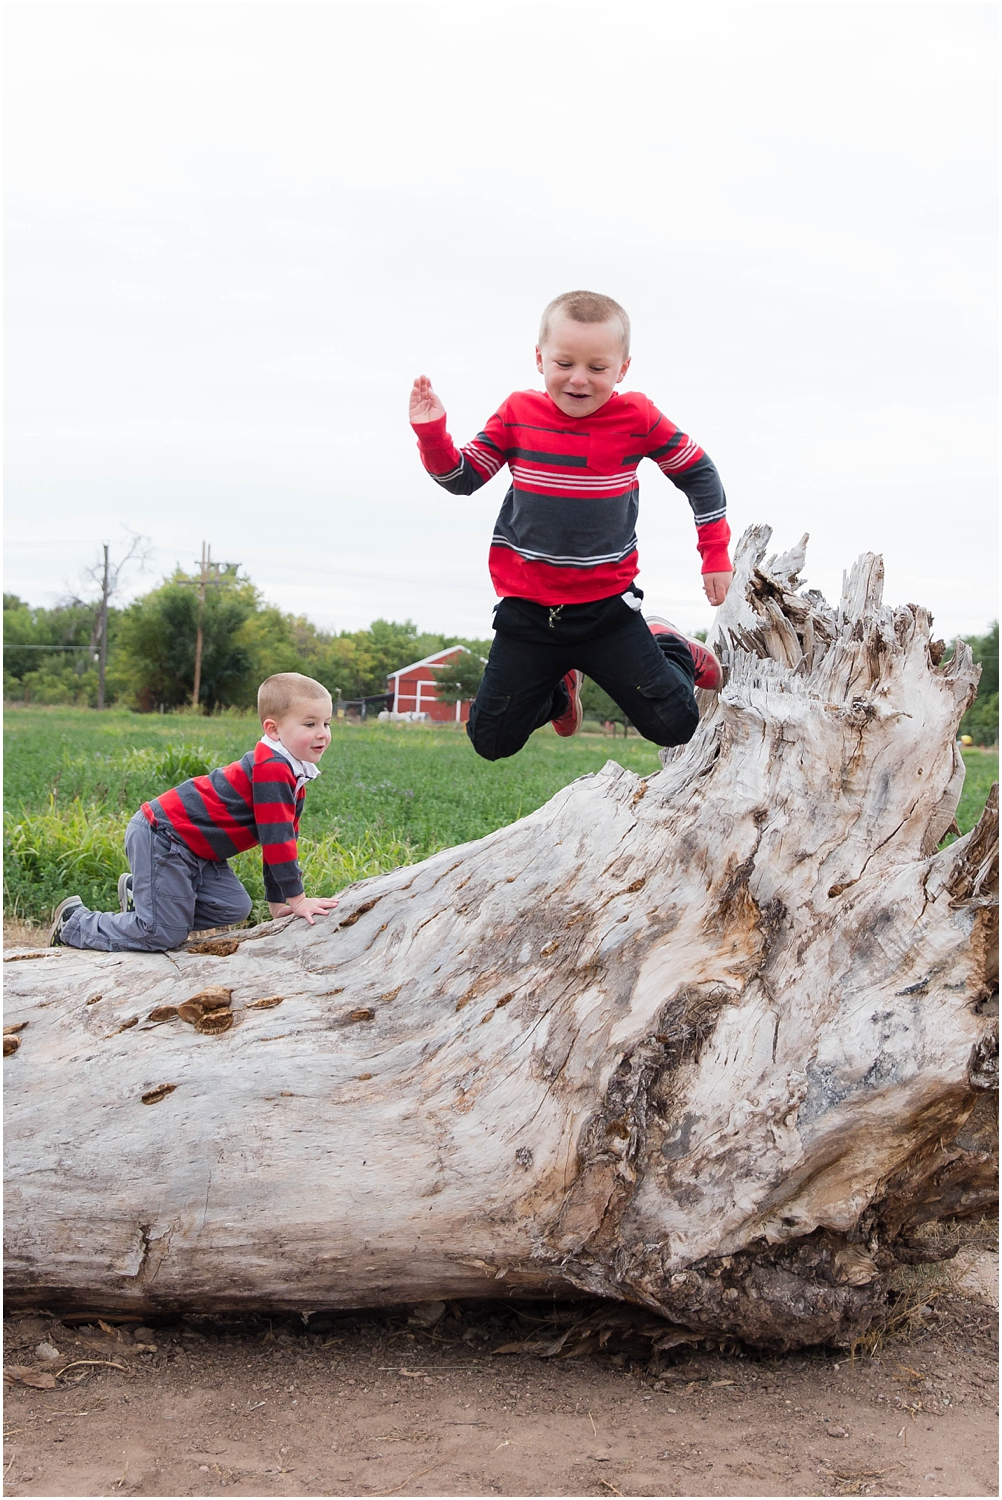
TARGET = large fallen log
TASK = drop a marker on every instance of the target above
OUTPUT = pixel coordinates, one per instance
(711, 1041)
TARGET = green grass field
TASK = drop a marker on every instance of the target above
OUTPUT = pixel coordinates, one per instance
(389, 794)
(982, 773)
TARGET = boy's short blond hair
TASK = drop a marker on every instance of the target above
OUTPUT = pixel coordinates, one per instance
(278, 693)
(585, 307)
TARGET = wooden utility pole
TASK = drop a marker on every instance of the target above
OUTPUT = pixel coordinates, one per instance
(102, 668)
(203, 580)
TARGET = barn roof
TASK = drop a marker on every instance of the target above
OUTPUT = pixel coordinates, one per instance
(426, 661)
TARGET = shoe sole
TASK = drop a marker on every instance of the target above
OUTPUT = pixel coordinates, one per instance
(123, 893)
(566, 734)
(68, 903)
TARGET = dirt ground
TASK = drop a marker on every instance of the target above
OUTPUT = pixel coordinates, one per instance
(378, 1404)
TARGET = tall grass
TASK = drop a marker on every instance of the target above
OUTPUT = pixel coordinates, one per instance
(76, 848)
(72, 847)
(329, 865)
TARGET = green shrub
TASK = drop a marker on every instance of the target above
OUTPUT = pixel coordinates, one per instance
(169, 765)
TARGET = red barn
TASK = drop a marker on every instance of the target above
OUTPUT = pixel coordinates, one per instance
(415, 690)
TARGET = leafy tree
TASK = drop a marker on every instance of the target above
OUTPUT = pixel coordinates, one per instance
(459, 678)
(62, 676)
(981, 720)
(274, 643)
(155, 655)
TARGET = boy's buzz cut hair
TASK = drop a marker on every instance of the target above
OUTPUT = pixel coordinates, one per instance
(585, 307)
(278, 693)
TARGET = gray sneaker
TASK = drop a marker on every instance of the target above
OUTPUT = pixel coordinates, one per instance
(60, 917)
(125, 900)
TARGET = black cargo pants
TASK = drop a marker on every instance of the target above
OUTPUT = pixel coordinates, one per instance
(650, 677)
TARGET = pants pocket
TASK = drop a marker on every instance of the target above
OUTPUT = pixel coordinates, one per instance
(165, 909)
(486, 720)
(669, 708)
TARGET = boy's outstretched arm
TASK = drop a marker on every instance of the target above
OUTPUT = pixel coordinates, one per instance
(460, 471)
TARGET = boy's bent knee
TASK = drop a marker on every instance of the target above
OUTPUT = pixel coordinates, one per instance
(668, 718)
(487, 730)
(678, 734)
(486, 744)
(162, 939)
(238, 911)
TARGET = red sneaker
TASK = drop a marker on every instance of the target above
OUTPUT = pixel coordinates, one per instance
(570, 722)
(709, 672)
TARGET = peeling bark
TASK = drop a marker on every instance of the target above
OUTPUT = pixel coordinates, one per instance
(716, 1042)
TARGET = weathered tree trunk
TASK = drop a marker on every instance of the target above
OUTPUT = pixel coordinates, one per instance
(708, 1041)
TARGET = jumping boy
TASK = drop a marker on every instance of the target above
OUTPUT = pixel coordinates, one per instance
(178, 844)
(564, 553)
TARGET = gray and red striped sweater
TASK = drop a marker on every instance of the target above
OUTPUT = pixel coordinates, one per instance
(256, 800)
(566, 533)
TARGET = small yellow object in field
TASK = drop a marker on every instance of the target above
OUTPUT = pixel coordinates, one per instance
(966, 739)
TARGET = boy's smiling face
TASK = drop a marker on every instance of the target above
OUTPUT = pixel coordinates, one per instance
(581, 364)
(305, 730)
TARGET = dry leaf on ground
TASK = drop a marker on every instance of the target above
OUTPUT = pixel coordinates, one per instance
(41, 1380)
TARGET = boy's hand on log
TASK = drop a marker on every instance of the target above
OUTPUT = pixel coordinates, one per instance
(306, 907)
(425, 405)
(715, 586)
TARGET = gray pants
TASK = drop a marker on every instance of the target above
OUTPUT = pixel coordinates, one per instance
(174, 891)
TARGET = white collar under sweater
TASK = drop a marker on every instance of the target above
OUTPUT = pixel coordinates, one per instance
(304, 770)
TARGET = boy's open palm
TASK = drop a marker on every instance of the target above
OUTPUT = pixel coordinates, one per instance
(425, 405)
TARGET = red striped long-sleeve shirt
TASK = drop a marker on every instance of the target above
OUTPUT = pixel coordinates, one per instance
(566, 533)
(256, 800)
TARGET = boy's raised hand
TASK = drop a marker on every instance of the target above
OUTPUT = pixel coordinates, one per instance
(715, 586)
(425, 405)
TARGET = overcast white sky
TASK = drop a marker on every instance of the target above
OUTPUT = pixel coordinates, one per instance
(236, 232)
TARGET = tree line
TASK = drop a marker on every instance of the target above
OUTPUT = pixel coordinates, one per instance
(50, 655)
(981, 720)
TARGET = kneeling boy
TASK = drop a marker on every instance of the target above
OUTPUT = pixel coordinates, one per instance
(178, 844)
